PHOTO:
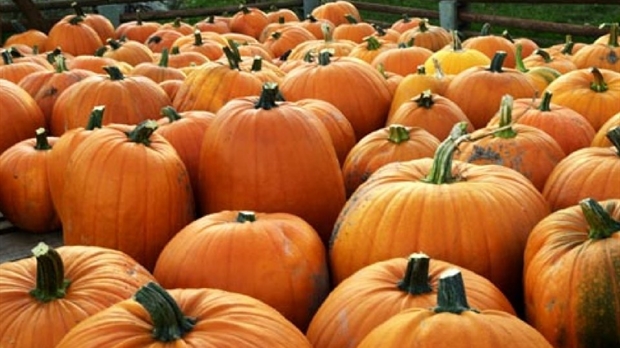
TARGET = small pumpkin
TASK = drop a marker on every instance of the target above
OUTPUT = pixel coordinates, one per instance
(137, 30)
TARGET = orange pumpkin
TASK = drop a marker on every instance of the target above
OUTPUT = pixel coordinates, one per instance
(299, 280)
(201, 43)
(403, 60)
(100, 23)
(140, 195)
(600, 55)
(73, 36)
(15, 72)
(162, 38)
(336, 12)
(490, 44)
(405, 22)
(283, 40)
(315, 26)
(414, 85)
(428, 36)
(600, 138)
(571, 275)
(131, 52)
(557, 61)
(20, 115)
(249, 21)
(214, 24)
(179, 26)
(370, 48)
(338, 48)
(189, 318)
(137, 30)
(387, 288)
(453, 320)
(353, 30)
(23, 36)
(45, 296)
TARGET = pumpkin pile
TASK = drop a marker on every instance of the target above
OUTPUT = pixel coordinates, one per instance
(266, 180)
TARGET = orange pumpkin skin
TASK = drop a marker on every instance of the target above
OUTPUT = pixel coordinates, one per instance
(490, 44)
(128, 100)
(74, 36)
(428, 36)
(336, 12)
(265, 166)
(98, 278)
(248, 244)
(343, 320)
(571, 277)
(402, 60)
(394, 143)
(25, 196)
(413, 85)
(140, 195)
(130, 51)
(221, 319)
(589, 172)
(137, 30)
(20, 115)
(600, 138)
(249, 21)
(592, 92)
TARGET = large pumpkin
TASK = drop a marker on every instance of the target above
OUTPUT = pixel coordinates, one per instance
(454, 323)
(133, 184)
(386, 288)
(448, 210)
(20, 115)
(263, 155)
(572, 272)
(239, 250)
(44, 296)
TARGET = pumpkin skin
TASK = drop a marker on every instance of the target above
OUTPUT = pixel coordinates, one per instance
(490, 44)
(249, 21)
(353, 30)
(571, 275)
(211, 318)
(253, 158)
(389, 144)
(413, 85)
(402, 61)
(137, 30)
(372, 227)
(386, 288)
(235, 251)
(16, 71)
(428, 36)
(600, 55)
(600, 138)
(589, 172)
(98, 278)
(74, 36)
(134, 215)
(20, 115)
(158, 72)
(131, 52)
(25, 196)
(453, 323)
(336, 12)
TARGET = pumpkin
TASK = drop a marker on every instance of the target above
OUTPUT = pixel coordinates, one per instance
(571, 275)
(282, 14)
(20, 116)
(73, 36)
(162, 38)
(336, 12)
(44, 296)
(15, 72)
(591, 92)
(25, 196)
(428, 36)
(454, 58)
(96, 64)
(600, 138)
(405, 22)
(249, 21)
(209, 48)
(490, 44)
(171, 87)
(430, 111)
(131, 52)
(490, 84)
(403, 204)
(558, 61)
(569, 129)
(357, 89)
(387, 288)
(285, 39)
(23, 36)
(453, 322)
(137, 30)
(526, 149)
(140, 195)
(540, 76)
(600, 55)
(413, 85)
(235, 251)
(100, 23)
(264, 155)
(591, 172)
(179, 26)
(189, 318)
(214, 24)
(158, 72)
(370, 48)
(353, 30)
(315, 26)
(178, 59)
(128, 100)
(403, 60)
(389, 144)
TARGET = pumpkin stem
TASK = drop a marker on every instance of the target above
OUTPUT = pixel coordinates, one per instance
(51, 56)
(425, 100)
(138, 17)
(41, 139)
(441, 170)
(567, 49)
(142, 132)
(544, 54)
(372, 43)
(519, 59)
(398, 133)
(154, 40)
(415, 280)
(172, 114)
(506, 35)
(75, 20)
(78, 9)
(268, 97)
(257, 64)
(246, 216)
(405, 18)
(197, 38)
(613, 33)
(614, 137)
(210, 19)
(95, 120)
(169, 322)
(243, 8)
(324, 56)
(310, 18)
(505, 130)
(232, 55)
(423, 25)
(51, 282)
(350, 19)
(599, 84)
(451, 295)
(601, 224)
(115, 44)
(114, 72)
(497, 62)
(15, 53)
(486, 29)
(6, 57)
(99, 52)
(545, 102)
(164, 58)
(60, 64)
(327, 33)
(174, 50)
(457, 45)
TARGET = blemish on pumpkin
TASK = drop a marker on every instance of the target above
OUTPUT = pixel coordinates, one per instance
(51, 92)
(485, 154)
(612, 57)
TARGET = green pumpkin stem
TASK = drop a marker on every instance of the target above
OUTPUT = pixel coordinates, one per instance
(601, 224)
(451, 295)
(398, 133)
(60, 64)
(79, 11)
(425, 100)
(497, 63)
(327, 33)
(520, 65)
(324, 57)
(415, 280)
(171, 113)
(268, 97)
(423, 25)
(457, 45)
(6, 57)
(372, 43)
(545, 102)
(41, 140)
(142, 132)
(169, 322)
(441, 170)
(95, 119)
(350, 19)
(51, 283)
(506, 35)
(544, 54)
(198, 38)
(599, 84)
(75, 20)
(567, 49)
(138, 17)
(164, 58)
(613, 33)
(115, 44)
(486, 29)
(232, 55)
(246, 216)
(505, 130)
(51, 56)
(257, 64)
(405, 17)
(614, 137)
(114, 72)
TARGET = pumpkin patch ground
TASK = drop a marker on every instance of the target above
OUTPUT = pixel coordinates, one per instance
(261, 178)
